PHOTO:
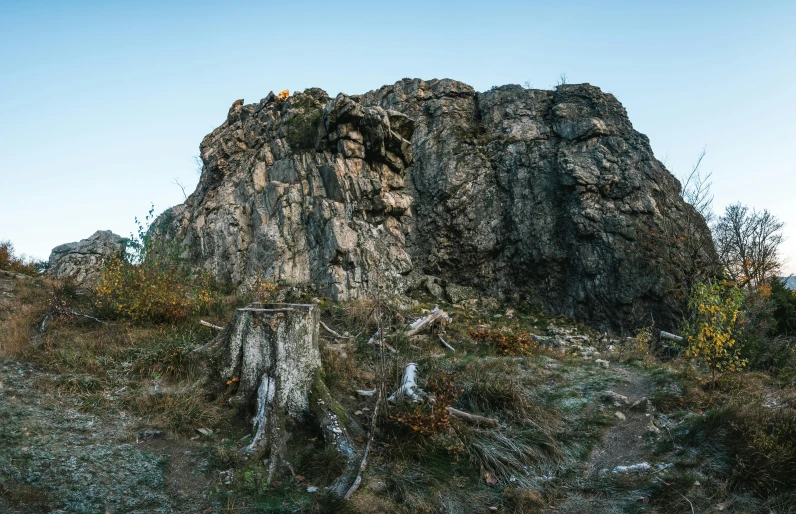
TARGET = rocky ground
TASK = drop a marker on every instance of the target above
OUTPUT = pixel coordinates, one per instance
(101, 418)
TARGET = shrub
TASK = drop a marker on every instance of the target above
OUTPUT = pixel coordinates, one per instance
(151, 282)
(9, 261)
(714, 309)
(303, 126)
(506, 341)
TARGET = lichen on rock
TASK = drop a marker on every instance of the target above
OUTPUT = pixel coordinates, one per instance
(84, 260)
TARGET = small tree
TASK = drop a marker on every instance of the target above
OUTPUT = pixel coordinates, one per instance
(715, 309)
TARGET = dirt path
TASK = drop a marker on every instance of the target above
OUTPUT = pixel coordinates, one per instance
(627, 442)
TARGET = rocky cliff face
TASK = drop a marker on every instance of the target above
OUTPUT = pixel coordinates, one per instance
(547, 194)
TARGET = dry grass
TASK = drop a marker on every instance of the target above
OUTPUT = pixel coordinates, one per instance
(18, 329)
(21, 315)
(750, 437)
(524, 500)
(178, 412)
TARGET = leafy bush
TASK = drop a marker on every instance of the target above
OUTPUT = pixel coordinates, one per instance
(9, 261)
(714, 309)
(267, 291)
(151, 282)
(768, 327)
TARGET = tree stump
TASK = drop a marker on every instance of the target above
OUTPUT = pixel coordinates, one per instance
(272, 351)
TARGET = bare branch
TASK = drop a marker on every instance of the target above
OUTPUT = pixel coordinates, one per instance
(182, 187)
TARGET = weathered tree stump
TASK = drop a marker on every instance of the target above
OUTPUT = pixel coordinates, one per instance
(272, 351)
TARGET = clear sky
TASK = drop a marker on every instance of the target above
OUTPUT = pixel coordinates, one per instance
(104, 103)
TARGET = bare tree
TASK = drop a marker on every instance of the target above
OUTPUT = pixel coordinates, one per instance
(747, 242)
(683, 245)
(696, 241)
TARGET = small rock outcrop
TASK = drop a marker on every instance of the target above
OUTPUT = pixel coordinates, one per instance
(550, 195)
(84, 260)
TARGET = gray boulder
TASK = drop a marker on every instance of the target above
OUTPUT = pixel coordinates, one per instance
(84, 260)
(549, 195)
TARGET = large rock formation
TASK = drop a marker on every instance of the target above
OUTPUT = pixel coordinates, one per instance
(84, 260)
(548, 194)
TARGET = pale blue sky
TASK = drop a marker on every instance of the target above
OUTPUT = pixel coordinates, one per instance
(103, 104)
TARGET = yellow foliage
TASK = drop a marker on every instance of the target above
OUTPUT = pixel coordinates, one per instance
(714, 314)
(505, 341)
(10, 262)
(148, 291)
(267, 291)
(283, 95)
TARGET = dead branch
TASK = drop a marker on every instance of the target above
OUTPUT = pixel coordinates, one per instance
(362, 392)
(212, 344)
(334, 333)
(446, 345)
(409, 388)
(44, 321)
(56, 311)
(376, 341)
(473, 418)
(435, 317)
(209, 325)
(689, 503)
(364, 463)
(92, 318)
